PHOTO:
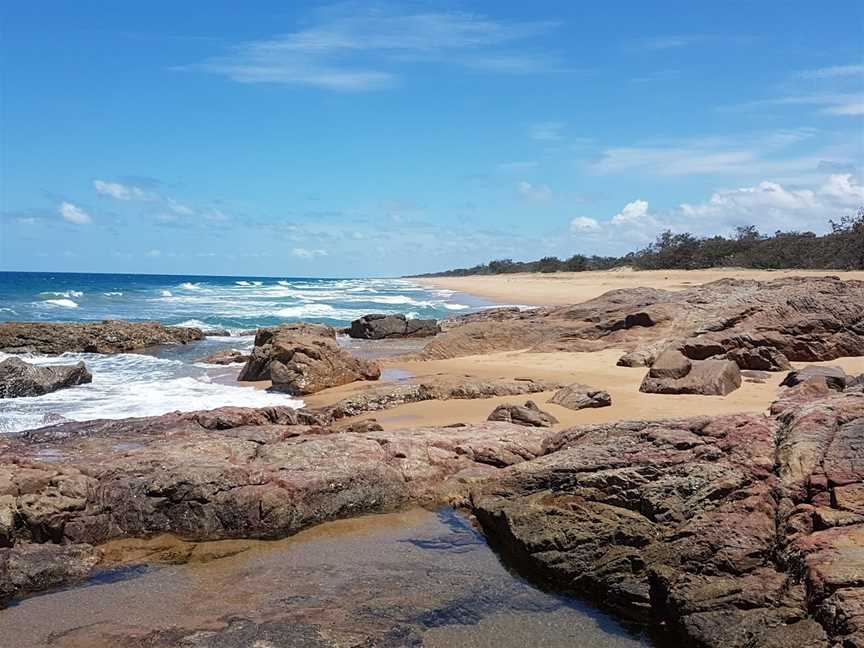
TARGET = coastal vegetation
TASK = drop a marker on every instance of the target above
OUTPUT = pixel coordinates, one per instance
(842, 248)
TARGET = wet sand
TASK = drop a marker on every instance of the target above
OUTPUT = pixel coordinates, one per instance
(415, 578)
(562, 288)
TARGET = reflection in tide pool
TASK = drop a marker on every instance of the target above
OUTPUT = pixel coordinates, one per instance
(405, 579)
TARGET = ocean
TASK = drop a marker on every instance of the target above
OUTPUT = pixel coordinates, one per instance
(171, 378)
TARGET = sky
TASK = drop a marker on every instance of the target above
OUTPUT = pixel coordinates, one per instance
(382, 139)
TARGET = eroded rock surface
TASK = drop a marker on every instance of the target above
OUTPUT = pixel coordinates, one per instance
(303, 359)
(229, 473)
(675, 374)
(110, 336)
(381, 327)
(468, 388)
(19, 378)
(740, 530)
(801, 318)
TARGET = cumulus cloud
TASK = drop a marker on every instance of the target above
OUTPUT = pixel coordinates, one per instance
(74, 214)
(535, 193)
(304, 253)
(635, 212)
(583, 224)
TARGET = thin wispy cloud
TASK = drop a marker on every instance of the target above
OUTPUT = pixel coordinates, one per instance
(354, 49)
(659, 43)
(122, 192)
(535, 193)
(834, 71)
(547, 131)
(170, 208)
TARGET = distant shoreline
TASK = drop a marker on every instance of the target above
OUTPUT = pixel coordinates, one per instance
(564, 288)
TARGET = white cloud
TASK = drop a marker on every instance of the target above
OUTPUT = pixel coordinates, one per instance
(154, 253)
(548, 131)
(583, 224)
(535, 193)
(634, 213)
(304, 253)
(850, 108)
(842, 188)
(178, 208)
(326, 54)
(833, 72)
(121, 191)
(74, 214)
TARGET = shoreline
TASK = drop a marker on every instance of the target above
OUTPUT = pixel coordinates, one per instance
(567, 288)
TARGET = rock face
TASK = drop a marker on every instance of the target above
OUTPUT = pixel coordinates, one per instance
(110, 336)
(19, 378)
(439, 389)
(225, 358)
(578, 396)
(675, 374)
(528, 415)
(229, 473)
(735, 531)
(379, 327)
(303, 359)
(802, 319)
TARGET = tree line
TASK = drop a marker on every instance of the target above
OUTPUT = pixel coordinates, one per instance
(840, 249)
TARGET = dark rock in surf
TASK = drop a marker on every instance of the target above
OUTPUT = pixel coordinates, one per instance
(381, 327)
(19, 378)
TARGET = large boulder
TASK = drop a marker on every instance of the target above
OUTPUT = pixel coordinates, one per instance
(705, 377)
(578, 396)
(19, 378)
(528, 415)
(110, 336)
(303, 359)
(738, 530)
(380, 327)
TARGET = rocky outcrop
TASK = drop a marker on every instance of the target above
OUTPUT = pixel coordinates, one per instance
(373, 400)
(230, 473)
(528, 415)
(229, 357)
(110, 336)
(303, 359)
(673, 373)
(19, 378)
(802, 319)
(578, 396)
(733, 531)
(381, 327)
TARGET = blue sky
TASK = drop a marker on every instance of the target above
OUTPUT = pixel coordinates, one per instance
(365, 138)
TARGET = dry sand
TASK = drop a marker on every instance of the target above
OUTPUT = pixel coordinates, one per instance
(595, 369)
(537, 289)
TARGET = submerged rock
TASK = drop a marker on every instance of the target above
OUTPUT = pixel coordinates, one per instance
(19, 378)
(303, 359)
(225, 358)
(110, 336)
(379, 327)
(578, 396)
(528, 414)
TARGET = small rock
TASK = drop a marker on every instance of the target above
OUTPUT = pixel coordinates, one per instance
(834, 377)
(670, 364)
(578, 396)
(529, 415)
(224, 357)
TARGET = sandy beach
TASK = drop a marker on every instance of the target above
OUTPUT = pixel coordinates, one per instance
(597, 369)
(538, 289)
